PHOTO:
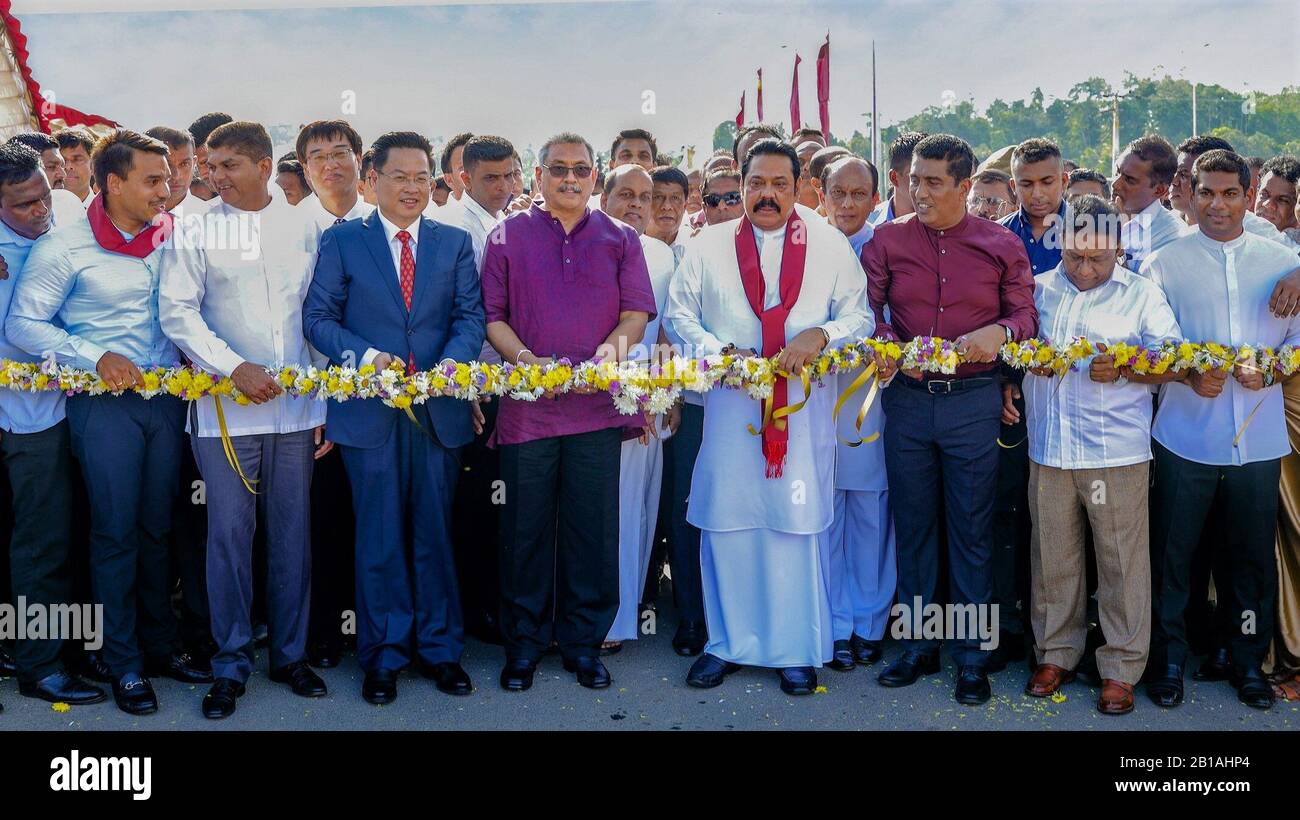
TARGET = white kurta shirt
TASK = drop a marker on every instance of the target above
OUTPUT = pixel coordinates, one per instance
(1079, 423)
(479, 223)
(1148, 230)
(1219, 292)
(224, 305)
(708, 309)
(659, 260)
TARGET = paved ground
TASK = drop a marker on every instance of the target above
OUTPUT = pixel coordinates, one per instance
(649, 692)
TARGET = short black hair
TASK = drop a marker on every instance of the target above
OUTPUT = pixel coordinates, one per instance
(18, 161)
(1089, 214)
(326, 130)
(956, 153)
(289, 164)
(76, 137)
(1201, 143)
(900, 150)
(206, 124)
(399, 139)
(565, 138)
(1217, 159)
(1255, 163)
(486, 148)
(35, 140)
(1089, 175)
(458, 141)
(115, 154)
(247, 138)
(367, 161)
(808, 132)
(1156, 150)
(829, 168)
(634, 134)
(441, 183)
(719, 175)
(771, 146)
(824, 158)
(672, 176)
(992, 176)
(745, 131)
(1034, 150)
(174, 138)
(1285, 166)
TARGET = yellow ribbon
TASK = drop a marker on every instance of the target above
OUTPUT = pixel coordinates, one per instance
(868, 374)
(228, 447)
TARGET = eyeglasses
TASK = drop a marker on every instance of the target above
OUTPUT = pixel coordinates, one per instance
(420, 180)
(339, 157)
(730, 198)
(981, 201)
(562, 171)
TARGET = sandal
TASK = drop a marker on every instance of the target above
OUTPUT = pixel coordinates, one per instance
(1288, 690)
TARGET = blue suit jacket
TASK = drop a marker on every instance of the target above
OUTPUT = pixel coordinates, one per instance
(355, 303)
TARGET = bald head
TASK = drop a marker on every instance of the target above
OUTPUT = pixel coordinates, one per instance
(848, 193)
(628, 194)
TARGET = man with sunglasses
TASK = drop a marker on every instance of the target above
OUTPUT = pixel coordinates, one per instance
(563, 282)
(723, 201)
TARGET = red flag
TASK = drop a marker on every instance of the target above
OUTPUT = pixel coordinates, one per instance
(740, 115)
(824, 87)
(760, 95)
(795, 121)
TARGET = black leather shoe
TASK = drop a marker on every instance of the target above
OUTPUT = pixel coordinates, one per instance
(1218, 666)
(708, 671)
(842, 657)
(323, 654)
(92, 667)
(134, 695)
(690, 638)
(62, 687)
(972, 686)
(449, 678)
(8, 666)
(1253, 689)
(517, 675)
(908, 669)
(219, 702)
(1167, 690)
(180, 666)
(380, 686)
(799, 680)
(865, 652)
(304, 682)
(1010, 649)
(589, 671)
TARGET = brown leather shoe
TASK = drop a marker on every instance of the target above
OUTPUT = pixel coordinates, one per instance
(1116, 697)
(1047, 679)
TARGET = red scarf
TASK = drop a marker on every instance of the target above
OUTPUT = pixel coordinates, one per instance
(775, 436)
(111, 239)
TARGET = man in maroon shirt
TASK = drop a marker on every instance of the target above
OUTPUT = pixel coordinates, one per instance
(942, 272)
(562, 281)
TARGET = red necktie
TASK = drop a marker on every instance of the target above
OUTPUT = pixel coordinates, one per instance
(406, 279)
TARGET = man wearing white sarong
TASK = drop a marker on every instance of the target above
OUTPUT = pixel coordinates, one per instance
(628, 197)
(764, 504)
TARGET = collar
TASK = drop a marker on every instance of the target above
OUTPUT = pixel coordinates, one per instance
(391, 230)
(486, 219)
(956, 230)
(1215, 246)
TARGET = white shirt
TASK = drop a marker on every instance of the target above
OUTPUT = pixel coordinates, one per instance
(1148, 230)
(66, 206)
(1255, 224)
(225, 305)
(707, 308)
(660, 262)
(325, 220)
(479, 223)
(448, 214)
(1081, 424)
(193, 205)
(1219, 292)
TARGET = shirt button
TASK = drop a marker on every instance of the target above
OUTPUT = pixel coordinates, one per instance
(566, 260)
(945, 281)
(941, 310)
(941, 250)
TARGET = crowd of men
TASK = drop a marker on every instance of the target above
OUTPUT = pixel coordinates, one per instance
(1115, 523)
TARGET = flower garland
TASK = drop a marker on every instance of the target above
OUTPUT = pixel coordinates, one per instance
(634, 387)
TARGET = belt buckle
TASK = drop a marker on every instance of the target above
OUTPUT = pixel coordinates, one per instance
(930, 386)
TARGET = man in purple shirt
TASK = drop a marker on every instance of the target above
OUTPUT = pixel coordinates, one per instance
(562, 281)
(942, 272)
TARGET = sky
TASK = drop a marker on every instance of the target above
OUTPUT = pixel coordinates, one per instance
(527, 70)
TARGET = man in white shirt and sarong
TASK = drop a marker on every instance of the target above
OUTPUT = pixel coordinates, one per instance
(774, 283)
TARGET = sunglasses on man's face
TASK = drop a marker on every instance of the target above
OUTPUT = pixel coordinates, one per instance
(562, 171)
(730, 198)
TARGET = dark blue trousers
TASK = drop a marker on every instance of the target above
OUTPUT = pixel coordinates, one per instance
(407, 599)
(943, 446)
(130, 454)
(680, 453)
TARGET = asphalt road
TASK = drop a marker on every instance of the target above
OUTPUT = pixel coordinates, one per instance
(649, 692)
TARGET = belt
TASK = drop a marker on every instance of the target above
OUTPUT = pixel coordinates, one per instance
(943, 386)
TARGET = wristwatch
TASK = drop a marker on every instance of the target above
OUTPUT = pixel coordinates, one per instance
(1011, 337)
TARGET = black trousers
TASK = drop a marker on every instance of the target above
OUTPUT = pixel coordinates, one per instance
(333, 555)
(680, 453)
(1011, 528)
(1245, 574)
(189, 554)
(39, 469)
(473, 534)
(559, 543)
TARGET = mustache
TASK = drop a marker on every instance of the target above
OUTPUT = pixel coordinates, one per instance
(767, 202)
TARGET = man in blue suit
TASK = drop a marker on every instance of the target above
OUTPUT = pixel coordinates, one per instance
(396, 287)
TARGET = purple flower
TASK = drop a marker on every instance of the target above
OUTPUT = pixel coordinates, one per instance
(614, 387)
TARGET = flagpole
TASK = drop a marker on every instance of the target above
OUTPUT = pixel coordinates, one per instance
(875, 130)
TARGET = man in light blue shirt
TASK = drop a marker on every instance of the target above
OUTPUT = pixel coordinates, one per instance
(1219, 441)
(88, 298)
(35, 448)
(900, 164)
